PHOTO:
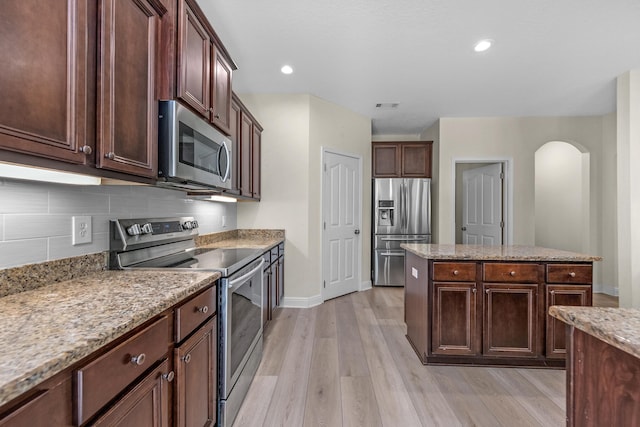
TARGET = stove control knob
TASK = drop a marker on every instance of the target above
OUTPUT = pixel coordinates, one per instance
(186, 225)
(147, 229)
(134, 230)
(194, 223)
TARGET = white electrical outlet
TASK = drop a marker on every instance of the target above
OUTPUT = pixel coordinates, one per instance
(81, 230)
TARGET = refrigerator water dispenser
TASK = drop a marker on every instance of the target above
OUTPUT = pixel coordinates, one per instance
(385, 213)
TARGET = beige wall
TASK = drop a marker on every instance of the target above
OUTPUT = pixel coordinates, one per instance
(628, 196)
(516, 140)
(296, 129)
(608, 208)
(432, 133)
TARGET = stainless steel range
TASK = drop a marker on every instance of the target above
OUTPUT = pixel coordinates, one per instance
(168, 243)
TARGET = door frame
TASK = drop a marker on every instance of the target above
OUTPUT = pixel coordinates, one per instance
(507, 192)
(324, 151)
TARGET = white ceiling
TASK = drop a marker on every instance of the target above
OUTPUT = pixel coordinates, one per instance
(550, 57)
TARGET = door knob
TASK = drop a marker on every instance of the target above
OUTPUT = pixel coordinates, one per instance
(464, 228)
(357, 231)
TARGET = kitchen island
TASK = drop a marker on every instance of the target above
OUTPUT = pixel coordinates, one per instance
(488, 305)
(603, 365)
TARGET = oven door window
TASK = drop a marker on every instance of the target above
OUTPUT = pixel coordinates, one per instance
(200, 152)
(246, 318)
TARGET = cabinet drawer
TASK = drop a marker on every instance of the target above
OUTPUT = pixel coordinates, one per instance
(104, 378)
(513, 273)
(454, 271)
(194, 312)
(569, 273)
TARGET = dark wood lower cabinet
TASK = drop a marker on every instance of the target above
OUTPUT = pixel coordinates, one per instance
(49, 405)
(511, 321)
(455, 325)
(602, 383)
(489, 312)
(195, 381)
(577, 295)
(147, 404)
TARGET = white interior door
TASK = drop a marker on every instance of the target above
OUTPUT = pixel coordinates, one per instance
(482, 222)
(341, 241)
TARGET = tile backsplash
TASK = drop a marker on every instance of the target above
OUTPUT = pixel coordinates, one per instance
(35, 218)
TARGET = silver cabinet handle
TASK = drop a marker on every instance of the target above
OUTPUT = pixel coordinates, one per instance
(512, 273)
(87, 150)
(187, 358)
(552, 292)
(572, 274)
(139, 359)
(217, 116)
(456, 272)
(111, 155)
(202, 310)
(474, 290)
(169, 376)
(487, 291)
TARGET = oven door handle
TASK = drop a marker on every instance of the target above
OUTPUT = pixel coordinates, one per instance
(246, 276)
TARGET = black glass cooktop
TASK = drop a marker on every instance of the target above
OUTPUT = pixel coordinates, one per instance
(227, 260)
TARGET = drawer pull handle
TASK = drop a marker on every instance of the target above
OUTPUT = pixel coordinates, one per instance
(552, 292)
(456, 272)
(187, 358)
(512, 273)
(111, 155)
(169, 377)
(474, 290)
(139, 359)
(487, 291)
(86, 149)
(572, 274)
(202, 309)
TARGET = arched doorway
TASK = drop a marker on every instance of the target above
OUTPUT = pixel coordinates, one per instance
(562, 194)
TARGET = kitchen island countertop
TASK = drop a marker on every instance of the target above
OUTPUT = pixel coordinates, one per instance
(494, 253)
(46, 330)
(619, 327)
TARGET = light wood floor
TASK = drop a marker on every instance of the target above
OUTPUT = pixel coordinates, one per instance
(347, 363)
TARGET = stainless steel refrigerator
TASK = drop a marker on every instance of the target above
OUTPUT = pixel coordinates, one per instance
(401, 213)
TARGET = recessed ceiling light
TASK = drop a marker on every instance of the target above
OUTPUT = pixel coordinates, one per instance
(286, 69)
(483, 45)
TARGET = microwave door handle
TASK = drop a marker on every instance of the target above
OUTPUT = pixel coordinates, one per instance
(224, 147)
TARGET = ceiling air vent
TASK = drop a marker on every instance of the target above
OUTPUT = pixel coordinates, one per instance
(387, 105)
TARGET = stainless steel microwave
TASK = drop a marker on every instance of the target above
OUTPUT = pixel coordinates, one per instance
(192, 154)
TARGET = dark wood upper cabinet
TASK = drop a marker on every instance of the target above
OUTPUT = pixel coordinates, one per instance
(127, 106)
(204, 68)
(245, 154)
(401, 159)
(234, 126)
(247, 137)
(194, 53)
(47, 78)
(221, 92)
(256, 141)
(386, 160)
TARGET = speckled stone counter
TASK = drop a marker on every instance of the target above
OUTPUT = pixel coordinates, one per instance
(46, 330)
(619, 327)
(494, 253)
(254, 239)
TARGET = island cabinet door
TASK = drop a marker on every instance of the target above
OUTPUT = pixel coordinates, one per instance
(511, 324)
(455, 324)
(576, 295)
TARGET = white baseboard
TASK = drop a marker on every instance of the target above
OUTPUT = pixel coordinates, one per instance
(605, 289)
(297, 302)
(366, 285)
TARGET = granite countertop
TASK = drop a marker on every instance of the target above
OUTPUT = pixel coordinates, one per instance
(494, 253)
(619, 327)
(253, 239)
(45, 330)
